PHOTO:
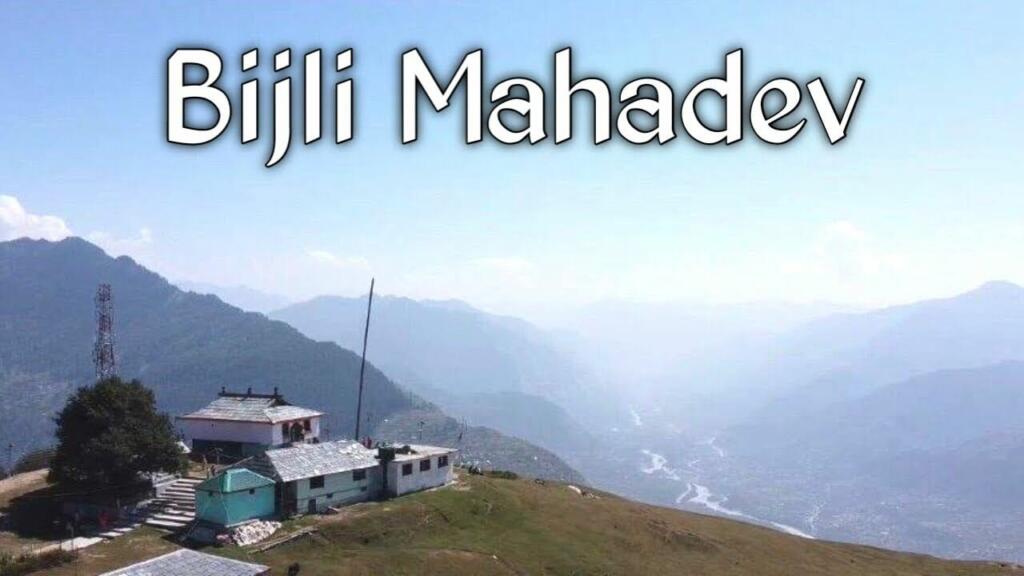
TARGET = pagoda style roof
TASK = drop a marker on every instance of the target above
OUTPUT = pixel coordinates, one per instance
(264, 408)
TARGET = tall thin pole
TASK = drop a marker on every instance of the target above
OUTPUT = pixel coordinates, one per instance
(362, 364)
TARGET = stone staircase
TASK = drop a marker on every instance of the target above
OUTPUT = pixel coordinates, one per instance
(174, 508)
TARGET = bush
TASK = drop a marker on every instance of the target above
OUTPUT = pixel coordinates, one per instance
(110, 433)
(502, 474)
(11, 565)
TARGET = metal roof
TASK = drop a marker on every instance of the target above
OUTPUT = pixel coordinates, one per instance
(251, 409)
(421, 451)
(235, 480)
(187, 562)
(309, 460)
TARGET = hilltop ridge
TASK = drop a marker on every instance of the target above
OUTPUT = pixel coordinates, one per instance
(498, 526)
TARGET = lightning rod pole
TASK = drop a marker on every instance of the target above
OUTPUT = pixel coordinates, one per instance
(362, 364)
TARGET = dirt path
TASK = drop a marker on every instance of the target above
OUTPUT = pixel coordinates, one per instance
(19, 484)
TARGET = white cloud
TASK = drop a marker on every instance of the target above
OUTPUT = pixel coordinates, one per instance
(137, 246)
(16, 222)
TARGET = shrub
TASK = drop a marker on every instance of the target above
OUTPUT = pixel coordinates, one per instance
(11, 565)
(502, 474)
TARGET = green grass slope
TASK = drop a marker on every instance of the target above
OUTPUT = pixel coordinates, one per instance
(496, 526)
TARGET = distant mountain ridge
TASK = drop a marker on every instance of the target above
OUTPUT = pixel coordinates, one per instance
(897, 427)
(492, 370)
(911, 435)
(185, 346)
(240, 296)
(846, 356)
(445, 344)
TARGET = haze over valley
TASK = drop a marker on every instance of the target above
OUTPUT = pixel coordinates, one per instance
(897, 427)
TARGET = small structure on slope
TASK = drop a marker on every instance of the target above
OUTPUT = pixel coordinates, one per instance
(415, 467)
(288, 470)
(310, 478)
(187, 562)
(314, 477)
(234, 497)
(238, 425)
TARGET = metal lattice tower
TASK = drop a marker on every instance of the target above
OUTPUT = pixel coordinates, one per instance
(103, 353)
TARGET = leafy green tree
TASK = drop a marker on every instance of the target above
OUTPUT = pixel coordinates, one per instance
(111, 432)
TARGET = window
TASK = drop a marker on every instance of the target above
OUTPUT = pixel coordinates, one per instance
(442, 461)
(284, 431)
(406, 469)
(358, 475)
(305, 426)
(329, 496)
(316, 482)
(252, 491)
(424, 465)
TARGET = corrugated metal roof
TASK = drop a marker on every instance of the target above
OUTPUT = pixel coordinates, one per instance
(309, 460)
(187, 562)
(235, 480)
(251, 409)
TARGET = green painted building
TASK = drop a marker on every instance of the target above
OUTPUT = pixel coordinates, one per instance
(235, 496)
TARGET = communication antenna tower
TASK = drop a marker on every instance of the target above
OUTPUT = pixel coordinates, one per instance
(103, 353)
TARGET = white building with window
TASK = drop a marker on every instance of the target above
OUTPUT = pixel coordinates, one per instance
(281, 443)
(237, 425)
(310, 478)
(416, 467)
(313, 477)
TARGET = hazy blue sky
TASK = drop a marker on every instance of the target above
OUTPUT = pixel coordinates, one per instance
(922, 199)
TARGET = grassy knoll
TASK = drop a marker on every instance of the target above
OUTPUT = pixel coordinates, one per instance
(498, 526)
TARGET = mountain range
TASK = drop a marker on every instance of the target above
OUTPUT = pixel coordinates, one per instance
(186, 346)
(896, 427)
(488, 370)
(908, 435)
(885, 426)
(239, 296)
